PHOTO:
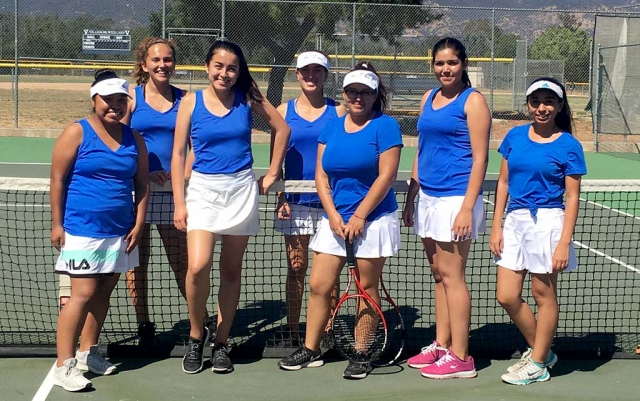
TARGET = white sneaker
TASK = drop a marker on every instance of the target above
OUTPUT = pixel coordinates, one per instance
(552, 358)
(94, 362)
(69, 377)
(529, 373)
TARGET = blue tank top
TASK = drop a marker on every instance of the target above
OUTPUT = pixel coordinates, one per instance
(300, 160)
(99, 187)
(222, 144)
(156, 128)
(444, 147)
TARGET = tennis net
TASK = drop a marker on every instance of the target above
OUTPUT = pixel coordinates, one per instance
(599, 302)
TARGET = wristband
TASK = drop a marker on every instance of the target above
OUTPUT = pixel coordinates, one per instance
(358, 217)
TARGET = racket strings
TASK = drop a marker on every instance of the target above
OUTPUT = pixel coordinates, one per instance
(358, 329)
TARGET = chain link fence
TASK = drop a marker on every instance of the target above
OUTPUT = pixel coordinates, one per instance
(507, 49)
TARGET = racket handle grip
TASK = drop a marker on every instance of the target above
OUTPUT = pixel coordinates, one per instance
(351, 255)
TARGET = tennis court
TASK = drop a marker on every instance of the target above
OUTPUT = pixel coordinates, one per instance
(600, 307)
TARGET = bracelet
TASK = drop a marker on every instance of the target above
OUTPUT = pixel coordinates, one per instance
(358, 217)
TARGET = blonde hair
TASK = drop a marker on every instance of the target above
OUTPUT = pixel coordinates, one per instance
(139, 74)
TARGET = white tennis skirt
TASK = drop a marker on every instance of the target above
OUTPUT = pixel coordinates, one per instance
(381, 239)
(529, 242)
(224, 204)
(88, 256)
(434, 217)
(160, 209)
(304, 220)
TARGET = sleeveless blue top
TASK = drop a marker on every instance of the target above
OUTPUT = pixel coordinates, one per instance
(300, 160)
(98, 189)
(156, 128)
(222, 144)
(444, 147)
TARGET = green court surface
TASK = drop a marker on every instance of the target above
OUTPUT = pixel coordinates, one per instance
(14, 151)
(147, 380)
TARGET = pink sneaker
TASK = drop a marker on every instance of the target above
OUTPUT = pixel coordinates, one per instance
(428, 356)
(449, 367)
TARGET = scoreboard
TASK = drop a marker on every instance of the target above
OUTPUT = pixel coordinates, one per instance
(106, 42)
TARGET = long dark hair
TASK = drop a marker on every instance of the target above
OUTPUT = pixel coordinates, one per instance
(381, 100)
(458, 48)
(245, 83)
(564, 119)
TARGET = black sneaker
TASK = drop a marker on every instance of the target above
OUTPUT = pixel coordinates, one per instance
(146, 332)
(220, 359)
(192, 360)
(302, 358)
(357, 370)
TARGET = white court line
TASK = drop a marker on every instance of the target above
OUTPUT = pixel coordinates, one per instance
(46, 386)
(597, 252)
(604, 255)
(610, 208)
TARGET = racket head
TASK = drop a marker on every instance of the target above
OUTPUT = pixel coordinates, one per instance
(359, 329)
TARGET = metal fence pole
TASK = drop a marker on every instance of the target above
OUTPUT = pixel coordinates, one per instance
(596, 102)
(164, 18)
(493, 48)
(223, 9)
(353, 36)
(15, 60)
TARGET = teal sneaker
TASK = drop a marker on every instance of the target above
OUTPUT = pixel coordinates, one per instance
(552, 358)
(531, 372)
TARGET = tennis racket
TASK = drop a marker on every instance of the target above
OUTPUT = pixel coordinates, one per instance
(358, 326)
(396, 333)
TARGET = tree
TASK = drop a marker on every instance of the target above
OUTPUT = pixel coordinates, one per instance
(476, 36)
(283, 28)
(570, 45)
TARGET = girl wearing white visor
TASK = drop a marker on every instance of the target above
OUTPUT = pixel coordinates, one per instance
(542, 163)
(360, 206)
(97, 164)
(298, 215)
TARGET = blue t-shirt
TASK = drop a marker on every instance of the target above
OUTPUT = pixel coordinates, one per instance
(351, 162)
(444, 147)
(98, 189)
(537, 171)
(300, 160)
(156, 128)
(222, 144)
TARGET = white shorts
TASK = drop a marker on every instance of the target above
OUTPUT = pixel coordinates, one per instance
(381, 239)
(224, 204)
(529, 242)
(160, 210)
(304, 220)
(434, 217)
(88, 256)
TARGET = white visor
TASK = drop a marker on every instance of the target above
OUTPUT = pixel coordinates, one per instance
(544, 85)
(364, 77)
(308, 58)
(110, 86)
